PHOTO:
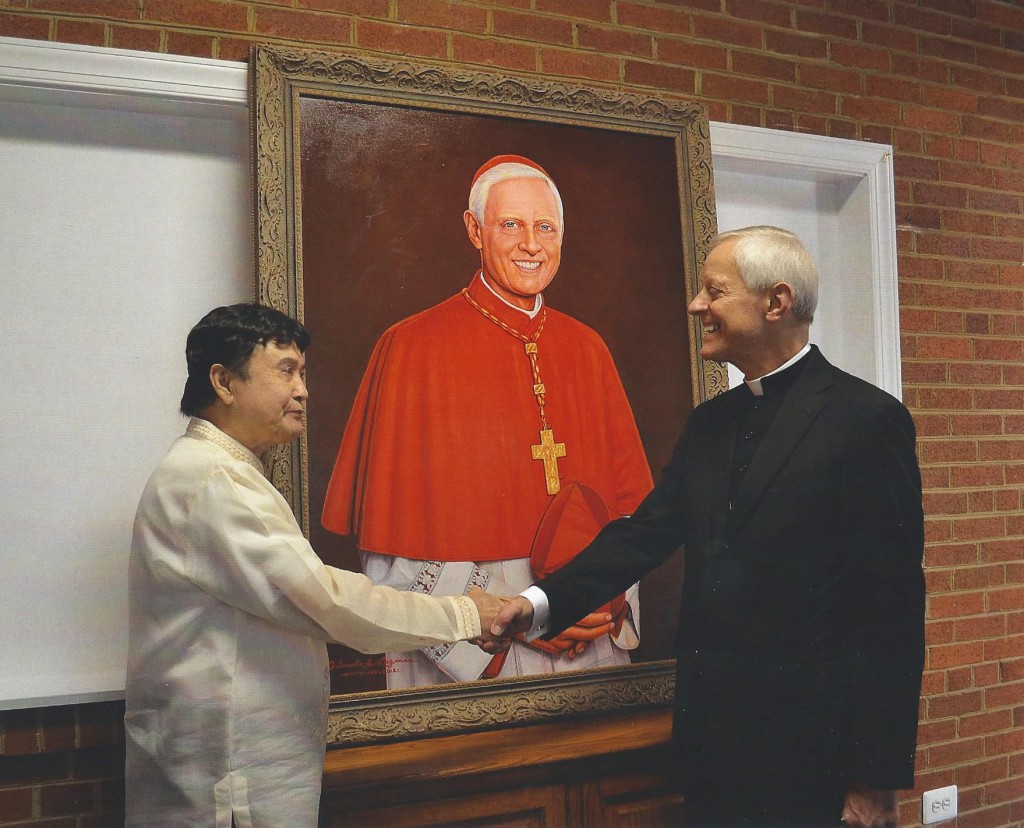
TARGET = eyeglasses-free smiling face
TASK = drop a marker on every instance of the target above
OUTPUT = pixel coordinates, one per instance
(732, 317)
(520, 242)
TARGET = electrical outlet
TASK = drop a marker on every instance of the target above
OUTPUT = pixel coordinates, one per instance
(938, 805)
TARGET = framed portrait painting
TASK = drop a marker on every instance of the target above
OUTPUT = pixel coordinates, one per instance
(362, 176)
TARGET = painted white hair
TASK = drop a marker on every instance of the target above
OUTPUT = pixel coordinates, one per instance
(506, 172)
(768, 255)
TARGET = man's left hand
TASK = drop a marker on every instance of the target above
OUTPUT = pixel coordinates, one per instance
(870, 808)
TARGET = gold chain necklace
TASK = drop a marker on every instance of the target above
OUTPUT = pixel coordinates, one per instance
(548, 450)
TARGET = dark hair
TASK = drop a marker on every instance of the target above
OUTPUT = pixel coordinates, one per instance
(228, 335)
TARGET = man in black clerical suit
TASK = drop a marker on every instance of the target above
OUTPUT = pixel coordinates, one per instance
(797, 498)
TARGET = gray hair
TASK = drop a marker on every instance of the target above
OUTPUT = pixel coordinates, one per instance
(768, 255)
(506, 172)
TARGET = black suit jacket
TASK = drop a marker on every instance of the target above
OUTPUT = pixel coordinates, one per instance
(801, 640)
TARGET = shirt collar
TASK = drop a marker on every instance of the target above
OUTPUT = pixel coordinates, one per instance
(756, 385)
(538, 300)
(202, 429)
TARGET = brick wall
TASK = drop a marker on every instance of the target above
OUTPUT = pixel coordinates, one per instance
(940, 80)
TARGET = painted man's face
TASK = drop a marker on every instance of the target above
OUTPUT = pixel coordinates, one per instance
(520, 242)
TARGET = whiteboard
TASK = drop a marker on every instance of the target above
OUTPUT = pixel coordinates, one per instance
(126, 206)
(125, 218)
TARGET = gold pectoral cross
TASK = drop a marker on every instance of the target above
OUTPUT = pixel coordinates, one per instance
(549, 451)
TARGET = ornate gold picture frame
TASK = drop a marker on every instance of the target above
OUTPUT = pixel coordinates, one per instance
(361, 171)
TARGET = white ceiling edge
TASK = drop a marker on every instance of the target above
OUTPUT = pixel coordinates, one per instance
(73, 68)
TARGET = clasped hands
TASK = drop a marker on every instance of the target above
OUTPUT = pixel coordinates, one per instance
(505, 619)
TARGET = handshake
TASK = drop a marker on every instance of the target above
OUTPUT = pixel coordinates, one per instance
(505, 619)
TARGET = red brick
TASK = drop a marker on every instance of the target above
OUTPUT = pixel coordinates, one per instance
(15, 804)
(659, 76)
(732, 32)
(955, 704)
(533, 27)
(101, 724)
(981, 502)
(1011, 350)
(114, 9)
(379, 9)
(967, 776)
(1011, 669)
(929, 70)
(947, 49)
(57, 728)
(933, 120)
(1007, 743)
(802, 46)
(939, 632)
(135, 37)
(1005, 399)
(805, 100)
(986, 129)
(943, 195)
(1002, 60)
(1010, 791)
(956, 753)
(747, 115)
(401, 39)
(223, 16)
(233, 48)
(499, 53)
(985, 723)
(575, 64)
(729, 87)
(80, 31)
(960, 8)
(893, 38)
(185, 43)
(1005, 695)
(761, 11)
(976, 424)
(932, 684)
(921, 20)
(826, 24)
(613, 40)
(944, 244)
(831, 79)
(938, 347)
(956, 605)
(888, 87)
(962, 222)
(945, 503)
(979, 629)
(982, 528)
(868, 9)
(655, 19)
(688, 53)
(442, 15)
(1005, 600)
(598, 10)
(305, 26)
(66, 799)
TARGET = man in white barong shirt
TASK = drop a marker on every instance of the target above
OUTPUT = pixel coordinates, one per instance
(230, 607)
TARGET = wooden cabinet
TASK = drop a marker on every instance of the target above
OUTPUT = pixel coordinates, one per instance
(613, 771)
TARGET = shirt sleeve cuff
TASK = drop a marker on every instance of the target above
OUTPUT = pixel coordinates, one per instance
(541, 611)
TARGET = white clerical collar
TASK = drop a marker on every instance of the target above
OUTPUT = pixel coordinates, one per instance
(538, 301)
(755, 384)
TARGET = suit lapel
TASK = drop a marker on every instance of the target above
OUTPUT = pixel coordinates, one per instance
(798, 411)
